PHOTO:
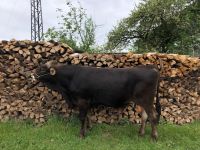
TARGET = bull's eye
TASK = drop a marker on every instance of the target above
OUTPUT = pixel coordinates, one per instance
(52, 71)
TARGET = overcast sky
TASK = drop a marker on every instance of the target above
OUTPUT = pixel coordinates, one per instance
(15, 16)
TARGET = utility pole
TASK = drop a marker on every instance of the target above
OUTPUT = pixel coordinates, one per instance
(36, 20)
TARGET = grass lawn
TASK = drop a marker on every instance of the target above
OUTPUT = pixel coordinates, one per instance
(58, 134)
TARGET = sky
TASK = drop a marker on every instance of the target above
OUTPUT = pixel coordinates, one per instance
(15, 16)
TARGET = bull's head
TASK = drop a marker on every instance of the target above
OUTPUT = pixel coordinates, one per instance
(44, 71)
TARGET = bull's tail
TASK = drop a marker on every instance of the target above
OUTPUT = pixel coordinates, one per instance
(158, 106)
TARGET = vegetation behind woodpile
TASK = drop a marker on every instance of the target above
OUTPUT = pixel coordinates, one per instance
(153, 26)
(164, 26)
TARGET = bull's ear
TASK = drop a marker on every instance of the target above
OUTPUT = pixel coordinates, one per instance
(52, 71)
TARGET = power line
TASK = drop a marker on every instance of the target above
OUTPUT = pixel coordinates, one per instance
(36, 20)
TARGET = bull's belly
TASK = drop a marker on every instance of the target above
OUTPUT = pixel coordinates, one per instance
(110, 102)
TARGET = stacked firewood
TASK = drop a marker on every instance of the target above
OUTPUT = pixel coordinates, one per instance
(21, 99)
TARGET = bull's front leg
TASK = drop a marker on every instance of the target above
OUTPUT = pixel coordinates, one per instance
(83, 119)
(83, 111)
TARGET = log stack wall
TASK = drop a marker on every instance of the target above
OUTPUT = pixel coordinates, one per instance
(19, 98)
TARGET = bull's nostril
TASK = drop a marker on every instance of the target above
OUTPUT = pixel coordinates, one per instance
(33, 77)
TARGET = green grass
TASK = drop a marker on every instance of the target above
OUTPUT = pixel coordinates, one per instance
(58, 134)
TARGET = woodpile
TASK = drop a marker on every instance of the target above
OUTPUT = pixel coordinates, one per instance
(19, 98)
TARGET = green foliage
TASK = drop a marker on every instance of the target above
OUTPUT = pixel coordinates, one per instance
(157, 25)
(59, 134)
(76, 28)
(189, 32)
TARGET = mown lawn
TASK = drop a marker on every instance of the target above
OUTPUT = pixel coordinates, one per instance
(58, 134)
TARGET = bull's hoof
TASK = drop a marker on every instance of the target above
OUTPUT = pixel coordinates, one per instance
(89, 128)
(141, 132)
(154, 137)
(82, 136)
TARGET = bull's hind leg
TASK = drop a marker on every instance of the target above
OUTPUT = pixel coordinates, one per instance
(154, 123)
(89, 126)
(143, 122)
(151, 112)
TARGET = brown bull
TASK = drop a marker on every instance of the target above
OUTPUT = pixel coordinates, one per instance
(85, 87)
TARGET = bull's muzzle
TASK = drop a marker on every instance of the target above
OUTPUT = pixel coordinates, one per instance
(33, 77)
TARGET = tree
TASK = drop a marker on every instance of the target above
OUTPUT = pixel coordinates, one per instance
(76, 28)
(189, 30)
(157, 25)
